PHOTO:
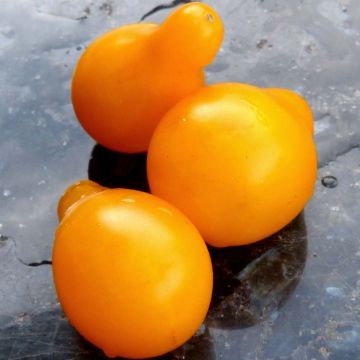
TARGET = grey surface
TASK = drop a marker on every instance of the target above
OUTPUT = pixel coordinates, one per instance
(295, 296)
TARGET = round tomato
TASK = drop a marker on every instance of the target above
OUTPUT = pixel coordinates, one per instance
(127, 79)
(132, 273)
(239, 164)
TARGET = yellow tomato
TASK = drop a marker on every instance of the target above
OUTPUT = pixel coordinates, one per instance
(127, 79)
(132, 273)
(235, 161)
(295, 104)
(76, 192)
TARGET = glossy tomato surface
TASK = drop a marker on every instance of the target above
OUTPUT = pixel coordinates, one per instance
(132, 273)
(76, 192)
(238, 163)
(128, 78)
(295, 104)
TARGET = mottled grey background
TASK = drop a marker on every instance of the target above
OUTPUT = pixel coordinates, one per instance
(310, 308)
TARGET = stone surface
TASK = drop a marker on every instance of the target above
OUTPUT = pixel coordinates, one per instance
(294, 296)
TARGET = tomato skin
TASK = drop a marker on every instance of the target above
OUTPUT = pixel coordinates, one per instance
(295, 104)
(75, 193)
(132, 273)
(127, 79)
(235, 161)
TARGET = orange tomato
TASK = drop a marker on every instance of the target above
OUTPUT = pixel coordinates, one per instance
(127, 79)
(235, 161)
(132, 273)
(76, 192)
(295, 104)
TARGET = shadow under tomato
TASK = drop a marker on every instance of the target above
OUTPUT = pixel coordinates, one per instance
(253, 281)
(199, 347)
(114, 169)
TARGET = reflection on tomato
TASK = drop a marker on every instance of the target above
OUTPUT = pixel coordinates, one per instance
(132, 273)
(235, 160)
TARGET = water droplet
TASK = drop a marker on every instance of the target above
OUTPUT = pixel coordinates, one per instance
(334, 291)
(41, 182)
(335, 208)
(329, 181)
(261, 43)
(41, 122)
(6, 192)
(37, 77)
(21, 225)
(10, 110)
(1, 225)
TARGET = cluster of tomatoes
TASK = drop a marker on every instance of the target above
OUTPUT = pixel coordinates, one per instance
(228, 164)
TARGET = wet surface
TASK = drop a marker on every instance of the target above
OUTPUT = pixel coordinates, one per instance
(293, 296)
(329, 181)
